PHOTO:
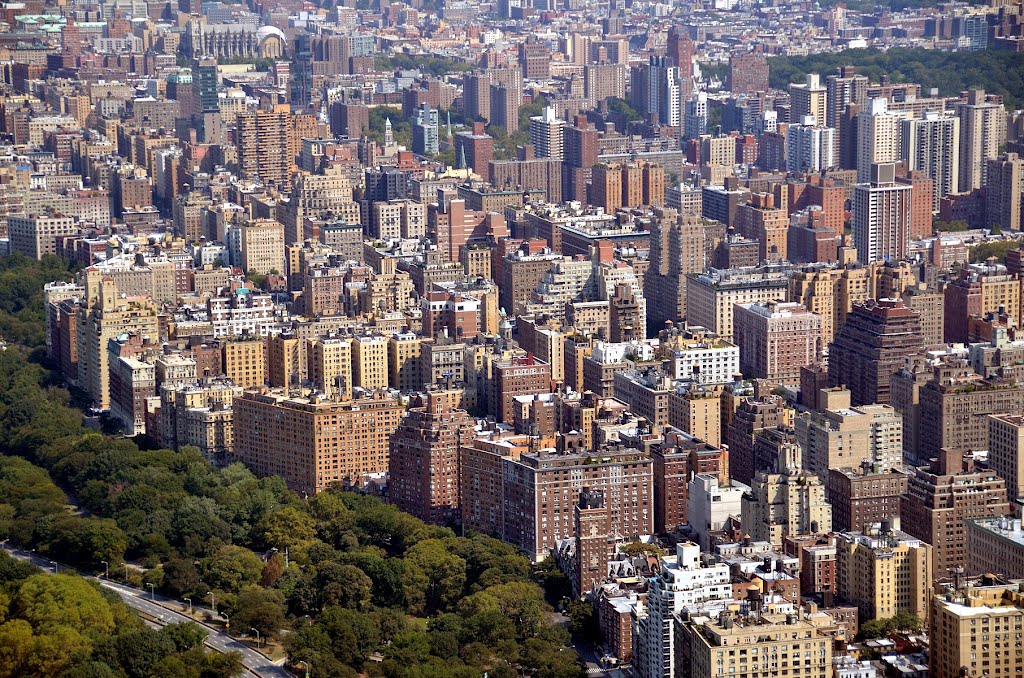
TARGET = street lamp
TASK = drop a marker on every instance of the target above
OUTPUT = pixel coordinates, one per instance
(54, 563)
(214, 599)
(106, 569)
(252, 628)
(189, 601)
(126, 573)
(227, 625)
(152, 590)
(307, 667)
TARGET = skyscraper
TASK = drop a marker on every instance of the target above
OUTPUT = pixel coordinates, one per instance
(872, 344)
(982, 132)
(680, 51)
(655, 88)
(881, 216)
(262, 139)
(505, 103)
(1005, 186)
(878, 137)
(204, 90)
(932, 145)
(425, 137)
(809, 98)
(424, 461)
(678, 247)
(475, 148)
(748, 72)
(939, 500)
(775, 339)
(811, 147)
(841, 90)
(695, 118)
(998, 607)
(546, 134)
(204, 84)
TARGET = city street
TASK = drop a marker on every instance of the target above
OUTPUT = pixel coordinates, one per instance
(256, 663)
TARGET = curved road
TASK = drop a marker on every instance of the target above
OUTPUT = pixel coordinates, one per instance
(254, 662)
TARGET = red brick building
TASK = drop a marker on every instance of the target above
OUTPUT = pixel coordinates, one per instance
(514, 377)
(424, 462)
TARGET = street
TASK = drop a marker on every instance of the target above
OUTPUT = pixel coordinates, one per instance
(256, 663)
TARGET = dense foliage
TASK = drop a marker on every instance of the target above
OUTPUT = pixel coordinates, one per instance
(997, 72)
(997, 249)
(428, 65)
(880, 628)
(22, 318)
(401, 127)
(63, 625)
(353, 577)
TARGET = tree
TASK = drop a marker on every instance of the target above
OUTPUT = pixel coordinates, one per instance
(583, 621)
(215, 665)
(187, 636)
(232, 568)
(435, 578)
(638, 548)
(288, 527)
(273, 570)
(56, 650)
(262, 609)
(520, 602)
(139, 650)
(950, 72)
(48, 601)
(181, 578)
(549, 661)
(875, 628)
(620, 106)
(195, 524)
(907, 621)
(87, 541)
(354, 636)
(344, 586)
(15, 648)
(996, 248)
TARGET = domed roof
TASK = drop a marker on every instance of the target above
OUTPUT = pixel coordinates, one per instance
(266, 31)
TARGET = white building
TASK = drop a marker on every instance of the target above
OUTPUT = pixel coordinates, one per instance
(982, 132)
(242, 313)
(546, 134)
(878, 137)
(707, 361)
(683, 582)
(695, 118)
(709, 505)
(848, 667)
(608, 353)
(932, 145)
(881, 216)
(35, 235)
(811, 147)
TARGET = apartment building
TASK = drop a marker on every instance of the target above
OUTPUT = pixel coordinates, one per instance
(314, 442)
(883, 572)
